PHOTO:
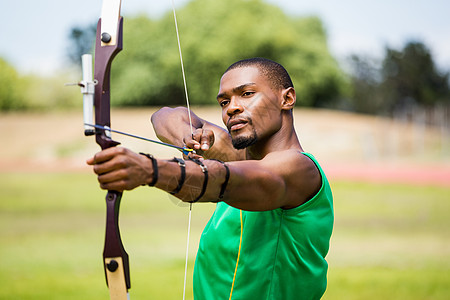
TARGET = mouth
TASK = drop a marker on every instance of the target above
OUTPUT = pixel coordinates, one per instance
(236, 124)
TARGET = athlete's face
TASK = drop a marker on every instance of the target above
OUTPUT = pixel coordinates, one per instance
(250, 106)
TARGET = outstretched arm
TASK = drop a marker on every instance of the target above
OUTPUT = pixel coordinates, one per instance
(283, 179)
(209, 140)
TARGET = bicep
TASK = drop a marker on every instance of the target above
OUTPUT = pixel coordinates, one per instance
(300, 176)
(280, 180)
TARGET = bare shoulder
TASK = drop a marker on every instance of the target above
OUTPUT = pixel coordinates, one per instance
(294, 157)
(301, 176)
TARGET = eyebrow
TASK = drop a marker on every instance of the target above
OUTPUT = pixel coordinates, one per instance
(236, 89)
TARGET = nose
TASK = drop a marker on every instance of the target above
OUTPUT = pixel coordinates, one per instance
(234, 107)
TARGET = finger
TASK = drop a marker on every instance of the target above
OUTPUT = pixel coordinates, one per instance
(120, 184)
(118, 180)
(112, 186)
(192, 141)
(206, 139)
(194, 155)
(90, 161)
(115, 163)
(101, 160)
(109, 177)
(197, 134)
(110, 153)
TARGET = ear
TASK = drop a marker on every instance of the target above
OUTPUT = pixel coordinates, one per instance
(289, 99)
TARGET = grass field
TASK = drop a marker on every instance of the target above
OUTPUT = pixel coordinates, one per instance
(390, 241)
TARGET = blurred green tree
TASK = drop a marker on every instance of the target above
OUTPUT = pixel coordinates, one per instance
(213, 35)
(33, 92)
(11, 88)
(365, 81)
(402, 78)
(81, 41)
(410, 76)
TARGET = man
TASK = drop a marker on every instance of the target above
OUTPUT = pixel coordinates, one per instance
(270, 232)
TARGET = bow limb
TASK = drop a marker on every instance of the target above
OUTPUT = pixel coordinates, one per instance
(108, 44)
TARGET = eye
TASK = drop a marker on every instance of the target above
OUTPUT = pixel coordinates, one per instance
(224, 102)
(247, 93)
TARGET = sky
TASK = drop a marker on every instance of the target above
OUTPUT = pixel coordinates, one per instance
(34, 34)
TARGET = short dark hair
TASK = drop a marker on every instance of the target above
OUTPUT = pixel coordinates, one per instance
(273, 71)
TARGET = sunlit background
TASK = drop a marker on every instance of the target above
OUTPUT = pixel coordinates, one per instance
(372, 79)
(362, 27)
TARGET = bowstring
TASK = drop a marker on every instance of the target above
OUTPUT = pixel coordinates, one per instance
(192, 134)
(182, 66)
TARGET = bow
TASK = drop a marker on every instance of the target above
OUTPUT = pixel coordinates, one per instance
(96, 93)
(108, 44)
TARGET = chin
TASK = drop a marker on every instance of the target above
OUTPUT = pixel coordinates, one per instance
(242, 142)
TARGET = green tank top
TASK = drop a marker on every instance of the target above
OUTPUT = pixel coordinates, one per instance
(281, 254)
